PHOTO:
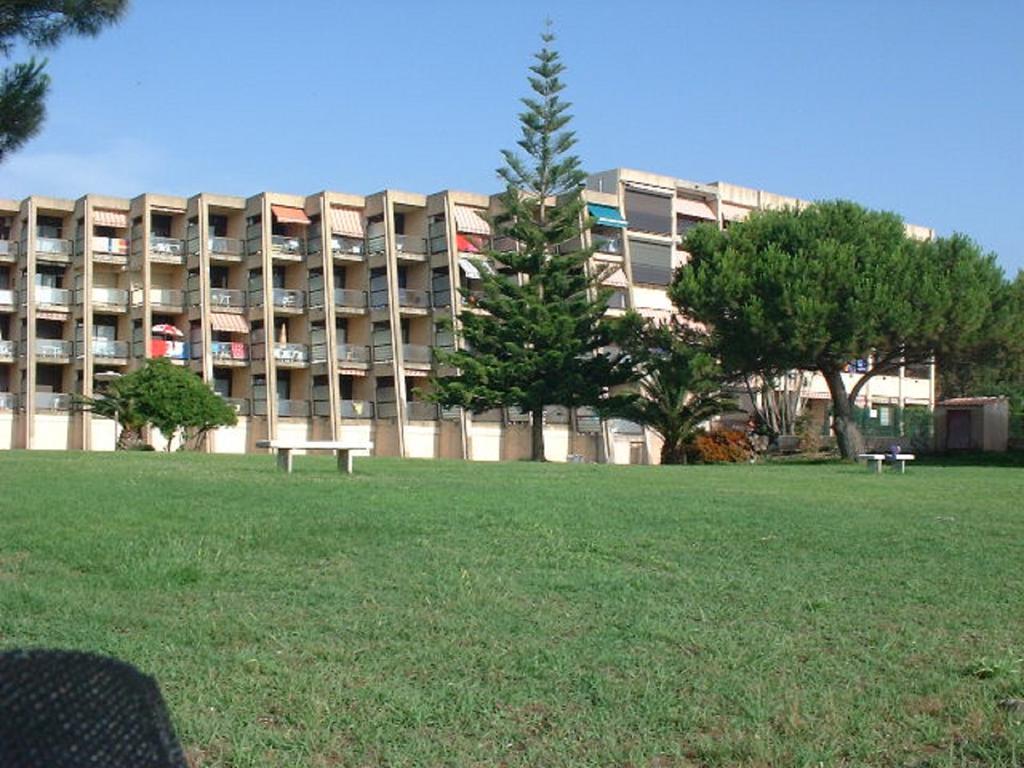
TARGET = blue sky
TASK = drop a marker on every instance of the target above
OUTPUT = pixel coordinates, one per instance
(916, 107)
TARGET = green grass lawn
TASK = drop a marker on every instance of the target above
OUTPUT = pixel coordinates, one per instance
(444, 613)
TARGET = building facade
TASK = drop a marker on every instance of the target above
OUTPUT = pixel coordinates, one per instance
(315, 316)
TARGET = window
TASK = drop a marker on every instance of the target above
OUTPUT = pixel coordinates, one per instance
(652, 262)
(218, 225)
(160, 225)
(648, 212)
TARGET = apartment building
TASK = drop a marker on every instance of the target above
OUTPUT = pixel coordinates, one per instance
(315, 316)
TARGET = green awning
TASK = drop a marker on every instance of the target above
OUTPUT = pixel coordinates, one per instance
(606, 215)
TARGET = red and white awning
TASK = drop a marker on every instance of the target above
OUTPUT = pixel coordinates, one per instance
(346, 221)
(104, 218)
(470, 221)
(286, 214)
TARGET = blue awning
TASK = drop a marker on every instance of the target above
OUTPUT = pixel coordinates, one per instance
(606, 215)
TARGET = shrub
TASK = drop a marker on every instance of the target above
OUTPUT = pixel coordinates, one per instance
(722, 446)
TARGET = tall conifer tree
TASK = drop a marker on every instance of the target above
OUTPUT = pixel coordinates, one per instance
(541, 337)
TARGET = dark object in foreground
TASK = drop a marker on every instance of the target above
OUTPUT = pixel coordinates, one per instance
(64, 709)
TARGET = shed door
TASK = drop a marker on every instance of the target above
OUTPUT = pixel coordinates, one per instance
(958, 430)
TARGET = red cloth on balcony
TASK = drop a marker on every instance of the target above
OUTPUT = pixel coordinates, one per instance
(467, 244)
(237, 350)
(158, 347)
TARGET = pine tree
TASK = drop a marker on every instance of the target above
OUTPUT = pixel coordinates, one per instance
(541, 337)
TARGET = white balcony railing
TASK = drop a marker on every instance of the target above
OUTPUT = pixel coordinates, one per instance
(109, 348)
(6, 297)
(291, 353)
(8, 248)
(411, 245)
(282, 245)
(112, 297)
(286, 298)
(52, 349)
(53, 246)
(110, 246)
(226, 246)
(59, 297)
(8, 349)
(167, 297)
(353, 353)
(227, 298)
(347, 246)
(52, 401)
(169, 249)
(8, 401)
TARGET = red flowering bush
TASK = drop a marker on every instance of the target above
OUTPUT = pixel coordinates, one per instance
(722, 446)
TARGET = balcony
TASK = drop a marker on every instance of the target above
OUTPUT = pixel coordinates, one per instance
(6, 300)
(52, 401)
(110, 250)
(53, 249)
(105, 349)
(347, 300)
(166, 250)
(287, 248)
(53, 350)
(411, 248)
(409, 298)
(172, 350)
(355, 409)
(288, 300)
(421, 411)
(168, 299)
(416, 354)
(618, 300)
(291, 355)
(240, 405)
(8, 401)
(112, 299)
(226, 353)
(8, 251)
(607, 246)
(353, 353)
(50, 297)
(225, 249)
(227, 300)
(347, 248)
(293, 408)
(8, 350)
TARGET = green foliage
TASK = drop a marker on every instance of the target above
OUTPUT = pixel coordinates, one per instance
(40, 24)
(539, 341)
(679, 378)
(818, 287)
(166, 396)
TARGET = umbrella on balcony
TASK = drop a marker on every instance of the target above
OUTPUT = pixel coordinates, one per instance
(166, 329)
(282, 334)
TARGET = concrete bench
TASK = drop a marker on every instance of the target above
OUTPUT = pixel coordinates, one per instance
(344, 450)
(875, 460)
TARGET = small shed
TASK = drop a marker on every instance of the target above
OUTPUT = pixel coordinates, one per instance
(972, 424)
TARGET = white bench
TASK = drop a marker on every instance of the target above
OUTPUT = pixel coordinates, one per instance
(875, 460)
(344, 450)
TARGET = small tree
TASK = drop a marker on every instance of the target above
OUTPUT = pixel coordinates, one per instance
(540, 339)
(817, 288)
(166, 396)
(680, 383)
(41, 24)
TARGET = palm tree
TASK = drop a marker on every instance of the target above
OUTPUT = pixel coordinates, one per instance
(680, 383)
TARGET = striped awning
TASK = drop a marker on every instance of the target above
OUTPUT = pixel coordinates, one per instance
(43, 315)
(734, 212)
(470, 221)
(345, 221)
(286, 214)
(695, 208)
(103, 218)
(469, 269)
(228, 323)
(345, 371)
(616, 279)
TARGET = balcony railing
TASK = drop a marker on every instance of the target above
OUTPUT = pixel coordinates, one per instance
(8, 402)
(53, 246)
(295, 408)
(291, 353)
(387, 409)
(420, 411)
(110, 246)
(111, 297)
(8, 349)
(227, 298)
(167, 297)
(107, 348)
(288, 247)
(412, 298)
(353, 353)
(375, 244)
(8, 248)
(57, 297)
(610, 246)
(356, 409)
(347, 246)
(226, 247)
(241, 405)
(411, 245)
(52, 349)
(417, 354)
(6, 297)
(172, 350)
(228, 351)
(52, 401)
(167, 249)
(349, 298)
(286, 298)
